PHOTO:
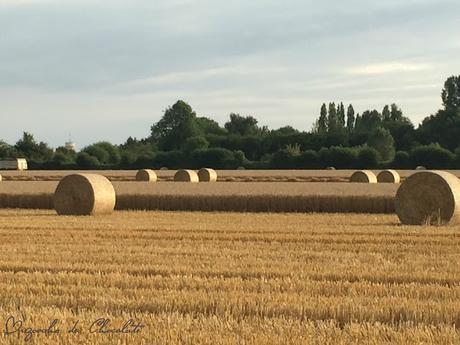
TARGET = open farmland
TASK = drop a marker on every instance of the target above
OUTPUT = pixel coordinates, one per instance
(223, 175)
(227, 278)
(254, 197)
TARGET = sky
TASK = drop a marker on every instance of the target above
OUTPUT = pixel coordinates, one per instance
(107, 70)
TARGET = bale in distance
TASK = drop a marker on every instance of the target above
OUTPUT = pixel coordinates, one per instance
(388, 176)
(363, 176)
(185, 175)
(146, 175)
(241, 168)
(84, 195)
(163, 168)
(429, 198)
(330, 168)
(420, 167)
(207, 175)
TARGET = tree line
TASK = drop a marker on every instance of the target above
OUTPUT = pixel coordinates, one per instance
(340, 138)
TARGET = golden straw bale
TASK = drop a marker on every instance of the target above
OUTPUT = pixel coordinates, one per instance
(185, 175)
(363, 176)
(84, 194)
(146, 175)
(429, 197)
(207, 175)
(388, 176)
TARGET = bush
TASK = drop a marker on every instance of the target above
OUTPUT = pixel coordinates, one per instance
(85, 160)
(308, 160)
(338, 157)
(216, 158)
(240, 158)
(402, 160)
(368, 158)
(170, 159)
(283, 159)
(432, 157)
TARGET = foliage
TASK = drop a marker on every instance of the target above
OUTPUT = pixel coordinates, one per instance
(382, 141)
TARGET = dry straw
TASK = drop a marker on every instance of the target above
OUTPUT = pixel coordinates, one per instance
(207, 175)
(429, 197)
(84, 195)
(388, 176)
(146, 175)
(0, 178)
(363, 176)
(184, 175)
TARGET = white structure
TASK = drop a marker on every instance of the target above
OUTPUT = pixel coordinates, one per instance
(70, 146)
(13, 164)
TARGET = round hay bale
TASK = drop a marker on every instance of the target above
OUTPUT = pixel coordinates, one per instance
(84, 195)
(330, 168)
(388, 176)
(420, 167)
(163, 168)
(429, 197)
(363, 176)
(184, 175)
(146, 175)
(207, 175)
(241, 168)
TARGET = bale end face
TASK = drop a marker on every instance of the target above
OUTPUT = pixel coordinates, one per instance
(363, 176)
(429, 198)
(84, 195)
(207, 175)
(388, 176)
(184, 175)
(146, 175)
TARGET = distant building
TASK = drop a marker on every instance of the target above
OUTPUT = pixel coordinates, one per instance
(13, 164)
(70, 146)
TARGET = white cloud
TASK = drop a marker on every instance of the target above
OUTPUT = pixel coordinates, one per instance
(388, 67)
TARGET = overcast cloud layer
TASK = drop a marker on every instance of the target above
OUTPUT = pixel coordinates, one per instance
(105, 71)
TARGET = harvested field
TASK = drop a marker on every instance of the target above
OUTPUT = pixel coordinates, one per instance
(223, 175)
(243, 197)
(206, 278)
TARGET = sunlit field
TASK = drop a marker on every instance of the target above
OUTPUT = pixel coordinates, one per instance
(228, 278)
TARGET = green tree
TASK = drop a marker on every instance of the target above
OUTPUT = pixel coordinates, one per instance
(350, 119)
(322, 121)
(368, 121)
(106, 153)
(36, 152)
(332, 120)
(242, 125)
(209, 126)
(195, 143)
(341, 115)
(177, 125)
(386, 114)
(7, 151)
(451, 93)
(382, 141)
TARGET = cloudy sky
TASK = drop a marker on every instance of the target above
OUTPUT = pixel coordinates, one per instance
(105, 70)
